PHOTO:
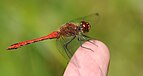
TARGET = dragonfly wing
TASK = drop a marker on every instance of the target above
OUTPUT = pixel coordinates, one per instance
(90, 18)
(67, 47)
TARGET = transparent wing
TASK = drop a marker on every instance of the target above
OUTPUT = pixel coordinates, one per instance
(67, 46)
(92, 19)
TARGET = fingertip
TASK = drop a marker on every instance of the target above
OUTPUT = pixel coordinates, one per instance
(89, 63)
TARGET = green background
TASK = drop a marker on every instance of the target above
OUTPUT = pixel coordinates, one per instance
(120, 28)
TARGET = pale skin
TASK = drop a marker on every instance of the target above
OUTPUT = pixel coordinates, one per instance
(89, 63)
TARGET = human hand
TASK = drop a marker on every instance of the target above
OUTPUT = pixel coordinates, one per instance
(87, 62)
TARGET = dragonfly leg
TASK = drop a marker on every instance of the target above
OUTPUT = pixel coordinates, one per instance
(68, 52)
(80, 40)
(85, 38)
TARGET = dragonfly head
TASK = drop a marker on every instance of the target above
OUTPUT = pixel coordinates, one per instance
(84, 26)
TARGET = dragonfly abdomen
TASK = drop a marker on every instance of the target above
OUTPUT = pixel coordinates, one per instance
(53, 35)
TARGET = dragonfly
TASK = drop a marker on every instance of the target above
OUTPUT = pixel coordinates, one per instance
(70, 35)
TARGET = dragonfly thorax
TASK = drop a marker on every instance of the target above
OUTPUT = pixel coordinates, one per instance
(84, 26)
(69, 29)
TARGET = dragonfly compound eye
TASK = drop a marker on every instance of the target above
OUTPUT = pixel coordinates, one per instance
(85, 26)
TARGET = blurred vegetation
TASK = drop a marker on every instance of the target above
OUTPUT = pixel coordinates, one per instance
(120, 27)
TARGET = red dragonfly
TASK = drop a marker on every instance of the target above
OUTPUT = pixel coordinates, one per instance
(77, 28)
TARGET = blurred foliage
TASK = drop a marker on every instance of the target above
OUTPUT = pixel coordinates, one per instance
(120, 27)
